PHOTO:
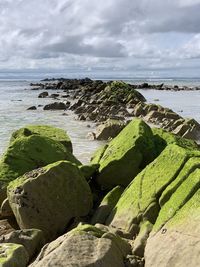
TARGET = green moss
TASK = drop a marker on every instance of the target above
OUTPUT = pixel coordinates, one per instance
(178, 199)
(28, 153)
(163, 138)
(56, 134)
(13, 255)
(107, 204)
(140, 197)
(98, 154)
(126, 155)
(87, 228)
(89, 170)
(190, 166)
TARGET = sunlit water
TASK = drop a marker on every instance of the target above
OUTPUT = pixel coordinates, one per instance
(15, 100)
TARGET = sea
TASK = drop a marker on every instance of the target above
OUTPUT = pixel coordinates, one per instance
(16, 97)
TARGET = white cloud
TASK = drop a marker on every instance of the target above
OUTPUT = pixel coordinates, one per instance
(111, 34)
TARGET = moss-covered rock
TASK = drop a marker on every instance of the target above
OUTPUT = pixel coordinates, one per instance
(107, 204)
(84, 246)
(49, 197)
(163, 138)
(13, 255)
(126, 155)
(89, 170)
(32, 239)
(45, 130)
(140, 201)
(28, 153)
(177, 242)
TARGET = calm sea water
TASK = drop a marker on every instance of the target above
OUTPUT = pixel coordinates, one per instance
(15, 98)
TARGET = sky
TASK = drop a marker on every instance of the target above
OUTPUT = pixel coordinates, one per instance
(136, 37)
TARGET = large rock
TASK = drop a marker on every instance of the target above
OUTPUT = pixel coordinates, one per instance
(32, 239)
(13, 255)
(49, 197)
(110, 129)
(140, 201)
(126, 155)
(177, 242)
(106, 205)
(56, 106)
(45, 130)
(84, 246)
(28, 153)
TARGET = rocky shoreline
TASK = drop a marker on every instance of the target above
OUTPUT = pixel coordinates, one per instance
(135, 204)
(112, 104)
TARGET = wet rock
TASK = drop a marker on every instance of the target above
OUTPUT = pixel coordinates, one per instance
(48, 198)
(32, 108)
(56, 106)
(43, 95)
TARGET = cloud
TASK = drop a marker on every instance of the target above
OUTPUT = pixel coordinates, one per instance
(113, 34)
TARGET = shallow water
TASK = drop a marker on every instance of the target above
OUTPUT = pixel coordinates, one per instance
(15, 100)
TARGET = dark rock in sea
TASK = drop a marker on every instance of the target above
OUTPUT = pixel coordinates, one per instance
(32, 108)
(56, 106)
(43, 95)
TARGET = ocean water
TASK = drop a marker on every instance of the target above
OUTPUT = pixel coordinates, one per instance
(16, 97)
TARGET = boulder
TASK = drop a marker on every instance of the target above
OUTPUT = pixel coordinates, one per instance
(89, 170)
(32, 239)
(43, 95)
(84, 246)
(13, 255)
(56, 106)
(28, 153)
(109, 129)
(126, 155)
(49, 197)
(140, 201)
(107, 204)
(7, 226)
(174, 241)
(54, 133)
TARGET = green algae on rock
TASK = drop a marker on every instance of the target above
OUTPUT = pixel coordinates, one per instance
(49, 197)
(13, 255)
(177, 242)
(85, 245)
(54, 133)
(28, 153)
(106, 205)
(126, 155)
(140, 200)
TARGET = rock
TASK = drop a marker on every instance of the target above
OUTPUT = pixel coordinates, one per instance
(98, 154)
(48, 198)
(139, 110)
(55, 106)
(32, 239)
(106, 206)
(13, 255)
(54, 133)
(32, 108)
(6, 210)
(43, 95)
(140, 201)
(28, 153)
(110, 129)
(126, 155)
(7, 226)
(54, 95)
(163, 138)
(175, 236)
(89, 170)
(84, 246)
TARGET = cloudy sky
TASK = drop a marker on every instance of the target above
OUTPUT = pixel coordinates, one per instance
(150, 37)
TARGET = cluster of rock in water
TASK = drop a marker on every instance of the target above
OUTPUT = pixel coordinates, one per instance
(135, 204)
(112, 104)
